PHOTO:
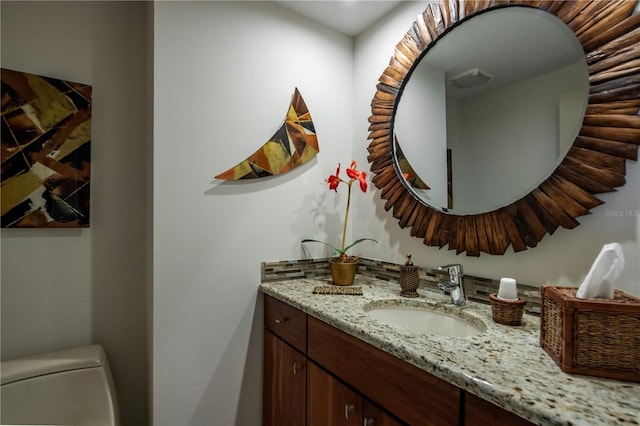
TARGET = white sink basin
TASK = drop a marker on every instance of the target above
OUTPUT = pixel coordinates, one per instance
(424, 319)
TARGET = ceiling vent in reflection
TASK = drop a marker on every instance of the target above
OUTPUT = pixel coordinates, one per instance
(470, 78)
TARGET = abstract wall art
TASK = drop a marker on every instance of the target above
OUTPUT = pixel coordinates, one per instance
(293, 144)
(46, 152)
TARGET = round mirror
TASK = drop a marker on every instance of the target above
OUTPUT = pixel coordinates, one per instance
(595, 162)
(487, 115)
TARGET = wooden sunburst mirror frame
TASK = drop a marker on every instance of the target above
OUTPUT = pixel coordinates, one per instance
(595, 163)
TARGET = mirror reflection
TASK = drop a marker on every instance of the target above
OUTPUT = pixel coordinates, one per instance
(487, 115)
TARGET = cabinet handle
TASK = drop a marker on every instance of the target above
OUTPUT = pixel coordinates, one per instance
(296, 368)
(280, 321)
(369, 422)
(349, 409)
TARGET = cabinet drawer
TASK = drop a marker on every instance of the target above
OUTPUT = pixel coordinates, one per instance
(286, 322)
(480, 412)
(411, 394)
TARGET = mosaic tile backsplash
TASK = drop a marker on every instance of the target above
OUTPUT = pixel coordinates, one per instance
(476, 288)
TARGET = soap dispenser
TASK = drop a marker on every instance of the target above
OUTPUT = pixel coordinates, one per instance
(409, 280)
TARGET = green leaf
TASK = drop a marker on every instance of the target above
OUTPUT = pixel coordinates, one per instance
(338, 251)
(358, 242)
(321, 242)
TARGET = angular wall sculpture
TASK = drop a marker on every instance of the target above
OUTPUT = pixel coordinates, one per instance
(293, 144)
(46, 152)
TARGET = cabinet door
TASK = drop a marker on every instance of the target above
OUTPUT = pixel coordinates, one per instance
(374, 416)
(330, 402)
(285, 383)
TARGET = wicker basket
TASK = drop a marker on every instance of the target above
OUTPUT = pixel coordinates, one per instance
(598, 337)
(507, 312)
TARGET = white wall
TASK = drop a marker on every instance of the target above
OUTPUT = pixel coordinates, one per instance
(421, 124)
(224, 76)
(563, 258)
(61, 287)
(503, 137)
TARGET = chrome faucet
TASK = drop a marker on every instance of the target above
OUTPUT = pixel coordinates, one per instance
(455, 285)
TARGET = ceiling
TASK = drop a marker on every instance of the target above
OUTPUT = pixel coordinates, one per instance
(349, 17)
(536, 51)
(528, 44)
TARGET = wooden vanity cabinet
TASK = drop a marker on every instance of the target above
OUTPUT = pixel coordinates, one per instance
(317, 375)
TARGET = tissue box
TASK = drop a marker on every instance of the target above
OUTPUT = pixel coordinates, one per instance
(598, 337)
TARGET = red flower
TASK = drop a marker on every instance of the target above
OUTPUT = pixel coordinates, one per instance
(334, 180)
(358, 175)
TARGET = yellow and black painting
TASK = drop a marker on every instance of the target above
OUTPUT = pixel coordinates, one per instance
(46, 152)
(293, 144)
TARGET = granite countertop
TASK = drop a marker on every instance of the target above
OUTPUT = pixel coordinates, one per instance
(504, 364)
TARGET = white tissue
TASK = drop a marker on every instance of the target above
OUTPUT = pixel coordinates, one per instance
(507, 289)
(605, 270)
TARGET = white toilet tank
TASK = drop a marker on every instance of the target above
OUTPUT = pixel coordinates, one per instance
(71, 387)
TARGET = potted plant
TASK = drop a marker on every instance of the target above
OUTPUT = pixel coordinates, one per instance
(343, 267)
